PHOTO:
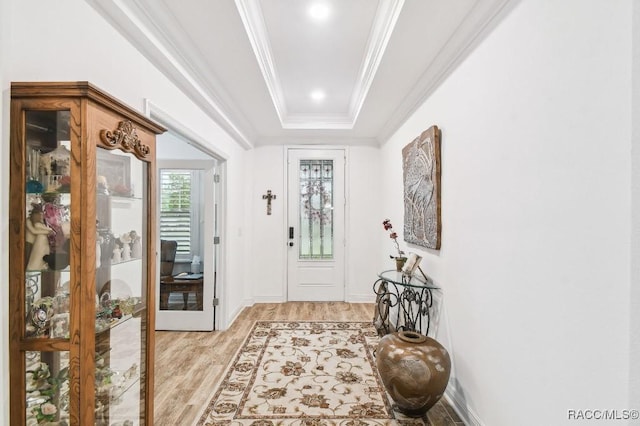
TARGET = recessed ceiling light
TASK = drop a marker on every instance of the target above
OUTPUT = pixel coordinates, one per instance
(319, 11)
(318, 95)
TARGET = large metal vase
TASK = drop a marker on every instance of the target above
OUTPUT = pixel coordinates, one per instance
(414, 369)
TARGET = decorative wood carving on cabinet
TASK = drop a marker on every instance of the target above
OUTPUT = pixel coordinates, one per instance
(125, 138)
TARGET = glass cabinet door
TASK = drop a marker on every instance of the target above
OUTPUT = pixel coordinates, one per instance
(46, 266)
(121, 277)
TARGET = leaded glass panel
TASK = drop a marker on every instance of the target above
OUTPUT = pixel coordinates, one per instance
(316, 209)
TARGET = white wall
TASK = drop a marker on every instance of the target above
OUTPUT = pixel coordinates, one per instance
(5, 27)
(67, 41)
(536, 207)
(268, 233)
(366, 209)
(634, 359)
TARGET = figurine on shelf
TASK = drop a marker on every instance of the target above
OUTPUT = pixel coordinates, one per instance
(136, 245)
(102, 185)
(107, 245)
(126, 252)
(117, 312)
(99, 241)
(40, 316)
(125, 239)
(58, 259)
(117, 257)
(36, 236)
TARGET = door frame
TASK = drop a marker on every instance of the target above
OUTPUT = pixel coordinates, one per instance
(174, 126)
(285, 219)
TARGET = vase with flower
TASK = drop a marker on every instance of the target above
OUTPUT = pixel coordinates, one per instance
(400, 258)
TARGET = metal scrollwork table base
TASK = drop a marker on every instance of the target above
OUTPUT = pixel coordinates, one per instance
(403, 303)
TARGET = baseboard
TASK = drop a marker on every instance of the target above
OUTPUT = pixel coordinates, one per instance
(458, 404)
(267, 299)
(234, 316)
(361, 298)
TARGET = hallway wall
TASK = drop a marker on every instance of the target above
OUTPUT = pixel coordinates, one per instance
(5, 27)
(634, 320)
(535, 212)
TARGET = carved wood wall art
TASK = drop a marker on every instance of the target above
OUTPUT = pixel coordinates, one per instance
(126, 138)
(421, 176)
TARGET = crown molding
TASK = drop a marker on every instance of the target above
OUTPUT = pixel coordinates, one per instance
(383, 25)
(319, 140)
(382, 28)
(134, 23)
(253, 21)
(478, 24)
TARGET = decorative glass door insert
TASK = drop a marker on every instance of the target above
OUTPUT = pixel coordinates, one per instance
(316, 210)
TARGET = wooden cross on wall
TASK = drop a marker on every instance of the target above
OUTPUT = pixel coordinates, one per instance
(269, 196)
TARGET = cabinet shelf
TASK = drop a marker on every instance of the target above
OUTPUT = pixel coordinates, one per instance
(115, 392)
(111, 323)
(125, 199)
(137, 259)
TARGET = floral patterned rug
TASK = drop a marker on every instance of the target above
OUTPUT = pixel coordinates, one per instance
(303, 373)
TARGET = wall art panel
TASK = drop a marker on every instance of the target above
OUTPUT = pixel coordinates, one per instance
(421, 177)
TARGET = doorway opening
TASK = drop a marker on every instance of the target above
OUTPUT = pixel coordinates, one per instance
(190, 197)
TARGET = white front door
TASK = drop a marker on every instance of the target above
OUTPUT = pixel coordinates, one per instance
(182, 311)
(316, 212)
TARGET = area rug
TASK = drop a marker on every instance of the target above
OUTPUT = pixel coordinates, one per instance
(303, 373)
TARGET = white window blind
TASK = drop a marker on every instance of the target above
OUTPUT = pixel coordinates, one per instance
(176, 204)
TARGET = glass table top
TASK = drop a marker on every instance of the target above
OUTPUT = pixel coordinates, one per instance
(399, 278)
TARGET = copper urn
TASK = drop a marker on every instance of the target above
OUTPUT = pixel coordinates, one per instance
(414, 369)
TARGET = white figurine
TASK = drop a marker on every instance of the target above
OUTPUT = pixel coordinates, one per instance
(36, 239)
(117, 258)
(136, 245)
(136, 249)
(99, 241)
(125, 239)
(126, 252)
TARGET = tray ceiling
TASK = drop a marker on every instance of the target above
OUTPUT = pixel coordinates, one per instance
(305, 71)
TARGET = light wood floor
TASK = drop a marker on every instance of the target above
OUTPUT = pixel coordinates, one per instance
(189, 364)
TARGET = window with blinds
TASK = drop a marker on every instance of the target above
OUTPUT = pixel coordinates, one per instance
(178, 203)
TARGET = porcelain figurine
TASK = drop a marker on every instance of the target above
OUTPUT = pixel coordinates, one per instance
(117, 257)
(136, 245)
(36, 236)
(99, 241)
(126, 252)
(125, 240)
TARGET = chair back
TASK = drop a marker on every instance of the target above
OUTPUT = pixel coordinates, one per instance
(168, 250)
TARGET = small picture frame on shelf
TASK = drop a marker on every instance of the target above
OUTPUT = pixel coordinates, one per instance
(114, 173)
(412, 263)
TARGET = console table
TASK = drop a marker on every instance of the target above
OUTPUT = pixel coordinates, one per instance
(403, 302)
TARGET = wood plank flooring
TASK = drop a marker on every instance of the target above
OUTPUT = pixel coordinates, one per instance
(189, 365)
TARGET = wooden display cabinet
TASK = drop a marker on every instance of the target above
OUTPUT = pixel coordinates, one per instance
(82, 249)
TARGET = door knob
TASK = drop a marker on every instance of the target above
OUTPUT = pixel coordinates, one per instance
(290, 243)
